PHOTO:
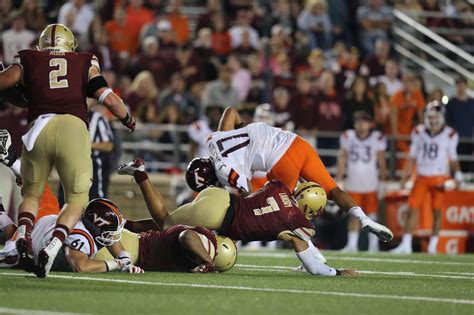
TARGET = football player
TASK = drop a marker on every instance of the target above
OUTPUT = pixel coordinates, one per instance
(100, 227)
(237, 150)
(266, 215)
(57, 81)
(433, 151)
(361, 151)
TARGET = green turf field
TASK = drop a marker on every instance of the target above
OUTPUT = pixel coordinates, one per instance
(260, 283)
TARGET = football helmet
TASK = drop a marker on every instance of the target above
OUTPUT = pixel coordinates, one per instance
(200, 174)
(226, 254)
(311, 199)
(264, 113)
(57, 37)
(434, 115)
(103, 219)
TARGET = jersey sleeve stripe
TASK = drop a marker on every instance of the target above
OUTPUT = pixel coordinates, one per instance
(88, 238)
(233, 176)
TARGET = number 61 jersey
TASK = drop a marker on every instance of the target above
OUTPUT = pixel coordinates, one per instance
(238, 153)
(433, 152)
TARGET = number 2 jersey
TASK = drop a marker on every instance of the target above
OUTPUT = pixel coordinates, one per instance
(264, 215)
(433, 152)
(238, 153)
(362, 173)
(55, 82)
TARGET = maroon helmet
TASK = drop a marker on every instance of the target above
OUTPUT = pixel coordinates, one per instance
(200, 174)
(103, 219)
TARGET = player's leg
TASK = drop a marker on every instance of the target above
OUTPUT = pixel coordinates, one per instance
(371, 204)
(207, 210)
(437, 196)
(71, 146)
(353, 228)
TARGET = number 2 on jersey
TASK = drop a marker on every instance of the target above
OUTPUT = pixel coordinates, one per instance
(61, 71)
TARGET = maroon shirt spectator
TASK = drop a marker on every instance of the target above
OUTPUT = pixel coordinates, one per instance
(188, 64)
(151, 60)
(374, 65)
(303, 106)
(330, 115)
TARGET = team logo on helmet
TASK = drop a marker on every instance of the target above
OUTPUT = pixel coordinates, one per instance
(103, 219)
(311, 199)
(200, 174)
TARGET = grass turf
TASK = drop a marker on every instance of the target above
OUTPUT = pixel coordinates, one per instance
(260, 283)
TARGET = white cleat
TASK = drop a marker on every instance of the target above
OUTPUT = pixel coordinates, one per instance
(46, 257)
(349, 250)
(382, 232)
(131, 167)
(319, 256)
(402, 249)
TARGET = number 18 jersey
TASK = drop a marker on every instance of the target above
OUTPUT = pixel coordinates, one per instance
(238, 153)
(433, 153)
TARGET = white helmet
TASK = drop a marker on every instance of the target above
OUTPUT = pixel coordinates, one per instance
(226, 255)
(434, 115)
(311, 199)
(264, 113)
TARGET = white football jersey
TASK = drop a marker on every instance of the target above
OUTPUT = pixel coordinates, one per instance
(79, 239)
(199, 132)
(433, 153)
(238, 153)
(362, 172)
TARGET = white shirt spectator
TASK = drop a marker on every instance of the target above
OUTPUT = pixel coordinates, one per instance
(236, 36)
(242, 82)
(14, 41)
(77, 17)
(392, 86)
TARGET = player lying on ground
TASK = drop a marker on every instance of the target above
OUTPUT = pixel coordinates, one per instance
(56, 82)
(237, 150)
(433, 150)
(266, 215)
(100, 226)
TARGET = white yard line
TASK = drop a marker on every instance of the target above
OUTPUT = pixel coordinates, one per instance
(257, 289)
(8, 310)
(369, 259)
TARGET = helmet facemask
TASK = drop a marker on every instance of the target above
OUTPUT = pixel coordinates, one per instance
(108, 238)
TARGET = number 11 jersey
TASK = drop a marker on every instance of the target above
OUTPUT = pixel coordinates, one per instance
(238, 153)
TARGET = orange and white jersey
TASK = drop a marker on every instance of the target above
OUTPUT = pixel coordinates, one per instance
(433, 153)
(79, 239)
(362, 173)
(238, 153)
(199, 132)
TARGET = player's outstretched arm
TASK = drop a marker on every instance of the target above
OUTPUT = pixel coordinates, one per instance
(191, 243)
(10, 76)
(230, 120)
(80, 262)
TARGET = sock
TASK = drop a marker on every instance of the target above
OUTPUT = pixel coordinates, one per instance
(352, 239)
(313, 266)
(61, 232)
(16, 168)
(315, 251)
(140, 177)
(406, 239)
(358, 213)
(26, 221)
(433, 242)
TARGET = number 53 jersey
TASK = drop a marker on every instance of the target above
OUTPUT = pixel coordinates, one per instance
(238, 153)
(433, 152)
(362, 173)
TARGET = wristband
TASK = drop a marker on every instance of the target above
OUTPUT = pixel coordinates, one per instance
(458, 176)
(126, 119)
(104, 95)
(111, 265)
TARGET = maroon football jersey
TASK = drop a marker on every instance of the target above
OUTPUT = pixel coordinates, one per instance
(55, 82)
(263, 215)
(162, 251)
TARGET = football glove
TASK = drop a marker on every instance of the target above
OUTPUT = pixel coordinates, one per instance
(204, 268)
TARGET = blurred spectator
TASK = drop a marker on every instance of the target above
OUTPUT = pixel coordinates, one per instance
(242, 25)
(142, 92)
(169, 115)
(281, 102)
(137, 17)
(281, 15)
(382, 108)
(420, 85)
(258, 84)
(374, 19)
(339, 15)
(77, 15)
(120, 34)
(101, 49)
(150, 59)
(330, 114)
(390, 78)
(357, 100)
(245, 48)
(187, 63)
(5, 13)
(407, 110)
(303, 109)
(460, 116)
(177, 95)
(203, 50)
(220, 92)
(16, 38)
(435, 21)
(374, 64)
(33, 14)
(314, 20)
(436, 94)
(214, 7)
(345, 66)
(411, 7)
(241, 77)
(283, 76)
(179, 22)
(200, 130)
(317, 63)
(221, 40)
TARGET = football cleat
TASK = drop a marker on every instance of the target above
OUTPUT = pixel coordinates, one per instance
(25, 255)
(46, 257)
(382, 232)
(130, 168)
(7, 155)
